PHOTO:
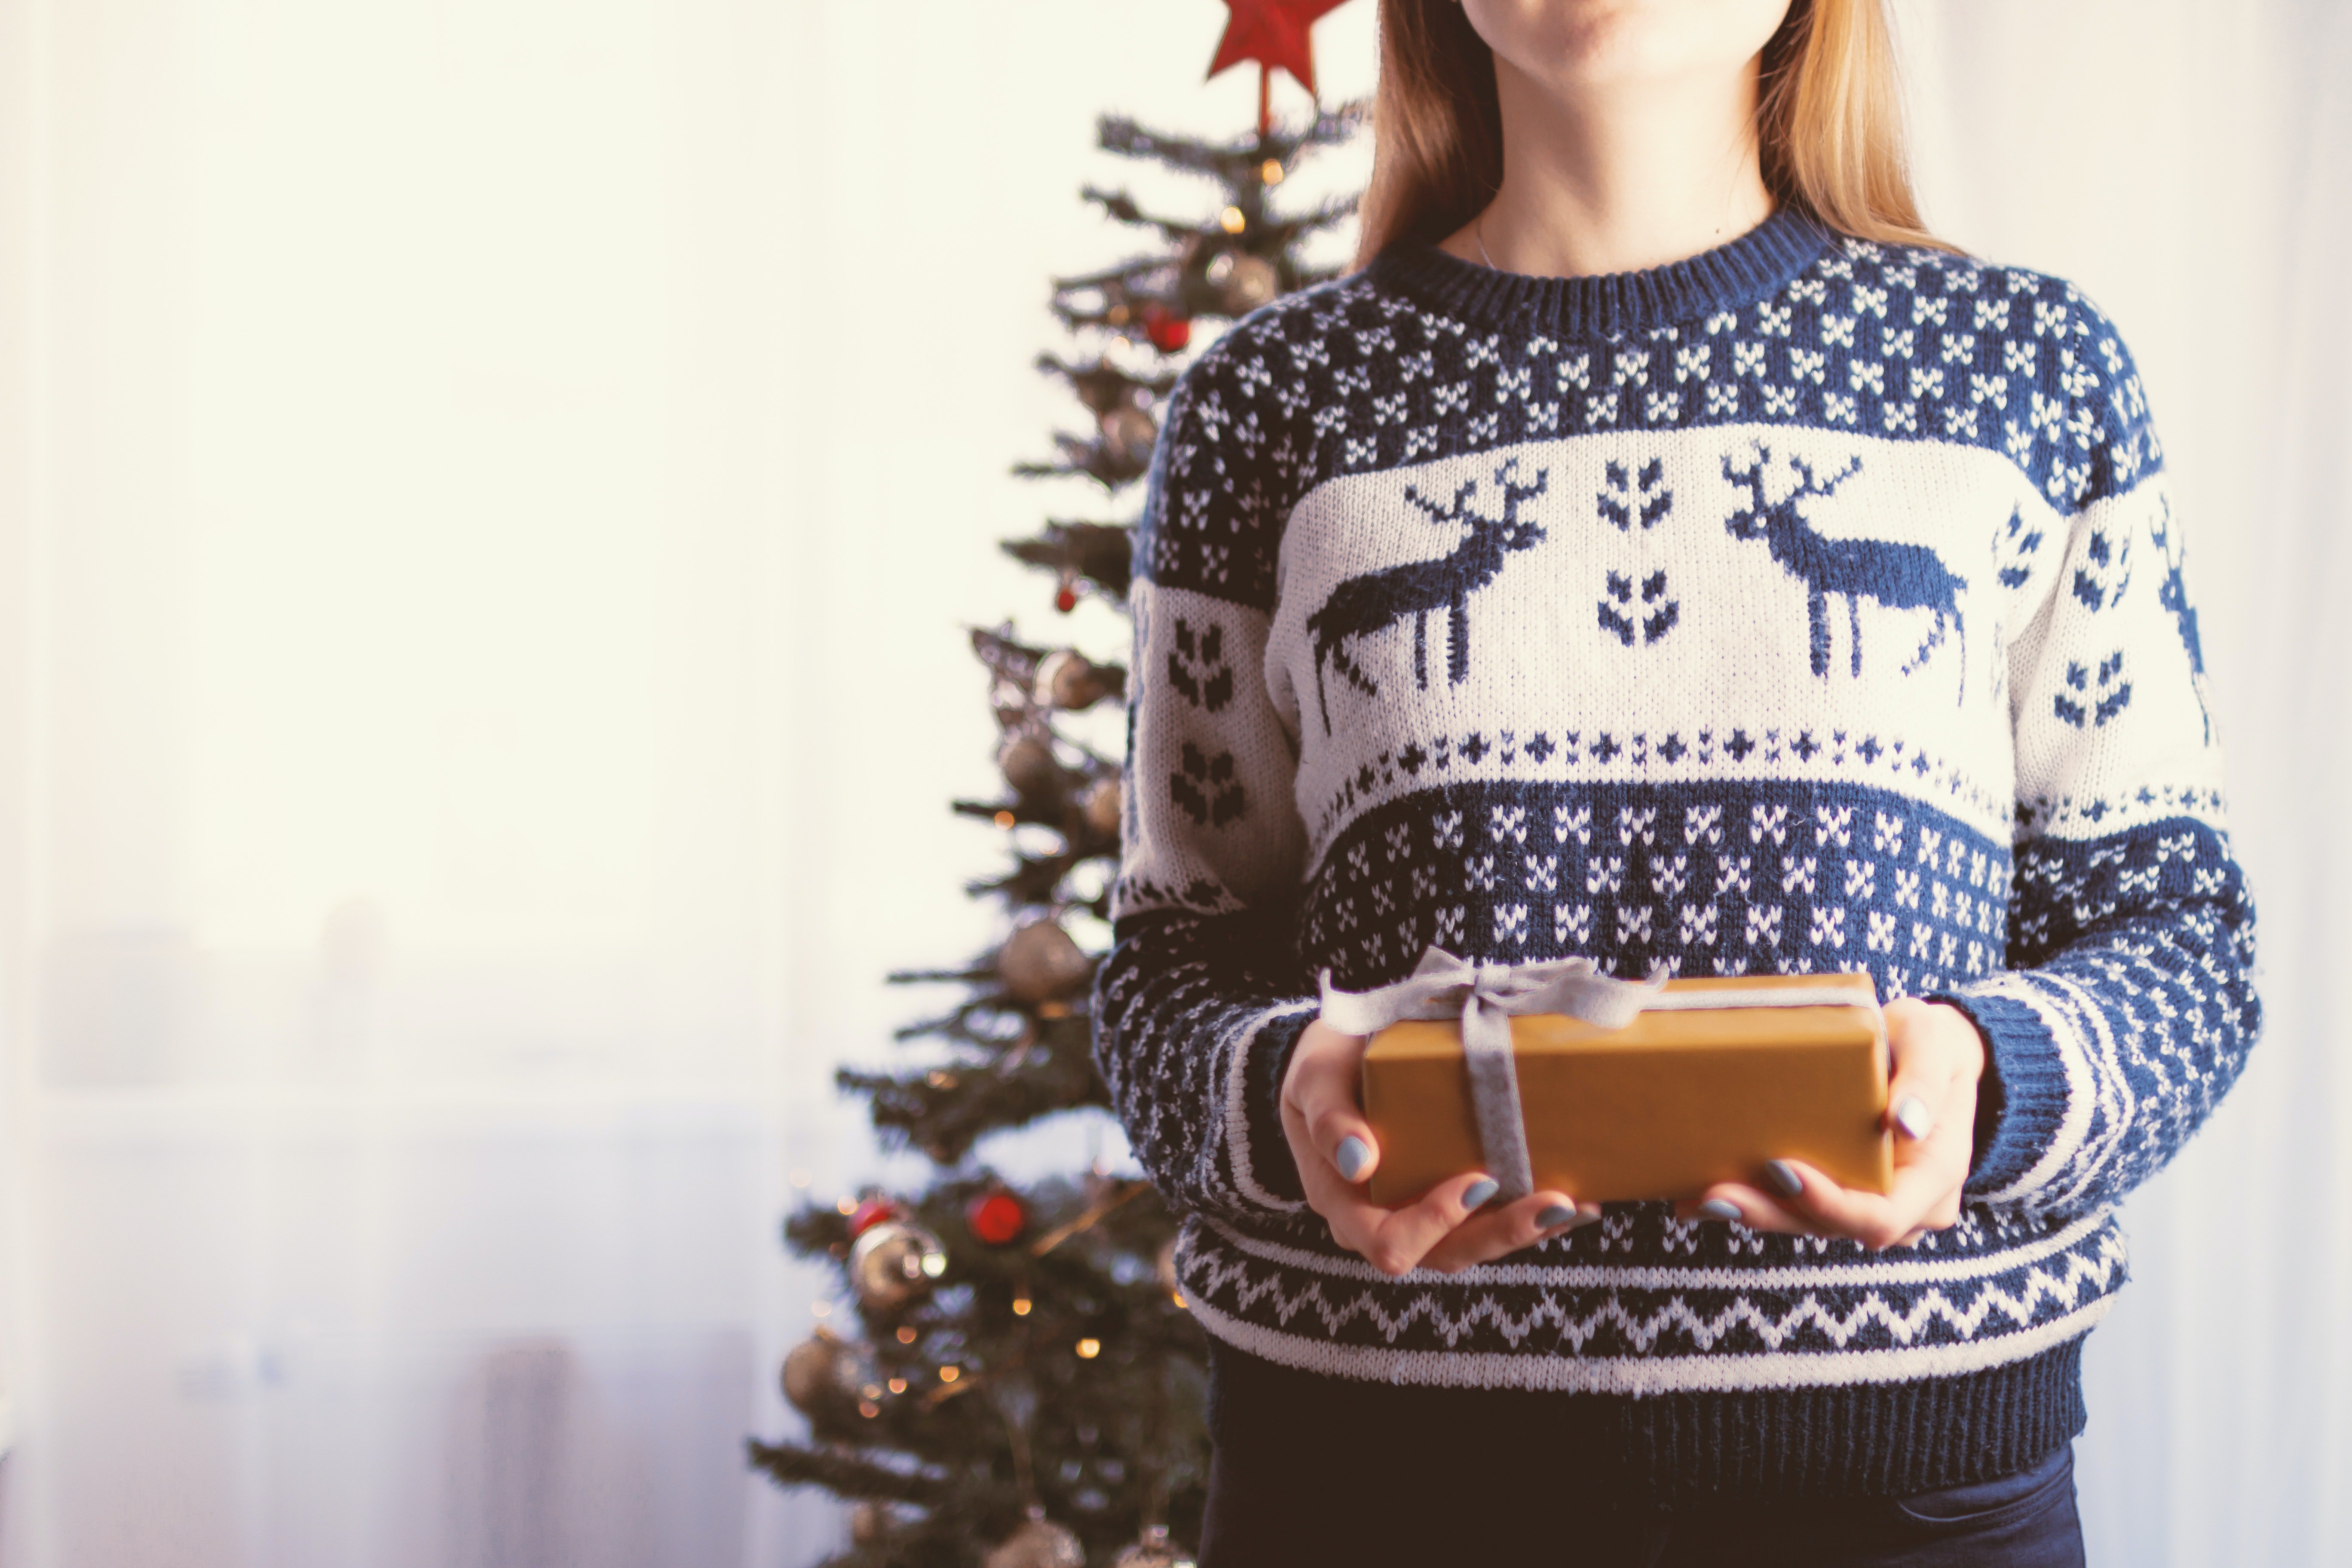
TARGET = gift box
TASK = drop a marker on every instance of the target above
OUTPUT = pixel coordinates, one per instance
(1707, 1081)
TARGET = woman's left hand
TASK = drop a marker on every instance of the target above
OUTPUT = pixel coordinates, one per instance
(1931, 1104)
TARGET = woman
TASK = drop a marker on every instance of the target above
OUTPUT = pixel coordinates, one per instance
(1659, 548)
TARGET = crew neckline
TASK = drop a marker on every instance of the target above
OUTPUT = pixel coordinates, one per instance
(1734, 273)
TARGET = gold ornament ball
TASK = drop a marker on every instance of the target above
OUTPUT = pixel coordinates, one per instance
(1243, 282)
(823, 1374)
(1101, 807)
(1039, 962)
(1026, 760)
(895, 1262)
(1038, 1543)
(1066, 679)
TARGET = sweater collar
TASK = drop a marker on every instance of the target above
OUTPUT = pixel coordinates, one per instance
(1746, 269)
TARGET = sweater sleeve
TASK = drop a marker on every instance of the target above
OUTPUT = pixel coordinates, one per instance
(1202, 994)
(2126, 1008)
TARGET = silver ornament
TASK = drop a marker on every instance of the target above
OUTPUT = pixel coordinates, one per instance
(1026, 760)
(1101, 807)
(1243, 282)
(893, 1263)
(1128, 433)
(1066, 679)
(1151, 1551)
(1038, 1543)
(823, 1375)
(1039, 962)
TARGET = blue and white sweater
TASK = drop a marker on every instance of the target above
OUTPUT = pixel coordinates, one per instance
(1808, 604)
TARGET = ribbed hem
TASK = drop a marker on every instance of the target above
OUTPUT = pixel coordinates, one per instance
(1745, 270)
(1271, 1160)
(2021, 1102)
(1865, 1440)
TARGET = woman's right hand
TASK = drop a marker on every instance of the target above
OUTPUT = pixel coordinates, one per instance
(1445, 1230)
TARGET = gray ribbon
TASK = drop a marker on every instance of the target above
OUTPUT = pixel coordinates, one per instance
(1486, 996)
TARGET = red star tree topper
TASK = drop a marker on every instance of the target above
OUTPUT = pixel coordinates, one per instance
(1273, 33)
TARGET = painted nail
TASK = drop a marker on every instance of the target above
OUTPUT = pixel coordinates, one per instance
(1353, 1156)
(1720, 1208)
(1585, 1217)
(1783, 1177)
(1556, 1214)
(1912, 1115)
(1482, 1189)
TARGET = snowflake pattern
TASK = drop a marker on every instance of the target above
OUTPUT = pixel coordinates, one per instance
(1520, 868)
(1913, 345)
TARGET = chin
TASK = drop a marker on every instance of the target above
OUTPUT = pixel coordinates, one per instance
(1604, 43)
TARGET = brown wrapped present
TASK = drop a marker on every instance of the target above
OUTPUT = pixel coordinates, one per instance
(1610, 1089)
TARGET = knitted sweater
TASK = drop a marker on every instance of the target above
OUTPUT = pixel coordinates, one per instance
(1808, 604)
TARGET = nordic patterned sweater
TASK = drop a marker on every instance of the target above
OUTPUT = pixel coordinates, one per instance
(1808, 604)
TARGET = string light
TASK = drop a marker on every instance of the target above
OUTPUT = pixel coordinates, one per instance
(1020, 1306)
(906, 1335)
(950, 1373)
(1270, 172)
(1232, 221)
(847, 1206)
(800, 1178)
(1005, 819)
(1090, 1348)
(898, 1386)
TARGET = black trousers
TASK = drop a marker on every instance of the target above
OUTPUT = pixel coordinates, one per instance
(1302, 1480)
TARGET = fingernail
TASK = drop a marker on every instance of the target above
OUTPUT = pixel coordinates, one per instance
(1783, 1177)
(1585, 1217)
(1720, 1208)
(1353, 1156)
(1556, 1214)
(1912, 1115)
(1482, 1189)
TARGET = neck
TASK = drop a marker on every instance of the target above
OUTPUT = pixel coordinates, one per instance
(1622, 177)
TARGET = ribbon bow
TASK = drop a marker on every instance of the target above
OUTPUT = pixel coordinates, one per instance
(1487, 996)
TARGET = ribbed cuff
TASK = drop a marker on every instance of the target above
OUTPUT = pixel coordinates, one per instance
(2021, 1101)
(1270, 1159)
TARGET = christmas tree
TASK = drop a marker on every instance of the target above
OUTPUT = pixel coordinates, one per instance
(1020, 1385)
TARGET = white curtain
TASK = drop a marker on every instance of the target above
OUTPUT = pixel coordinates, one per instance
(397, 420)
(2190, 165)
(490, 494)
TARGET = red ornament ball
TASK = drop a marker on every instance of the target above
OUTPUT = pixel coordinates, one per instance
(1065, 598)
(996, 1217)
(869, 1214)
(1168, 330)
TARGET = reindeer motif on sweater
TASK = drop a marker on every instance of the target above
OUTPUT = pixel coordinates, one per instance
(1899, 576)
(1361, 607)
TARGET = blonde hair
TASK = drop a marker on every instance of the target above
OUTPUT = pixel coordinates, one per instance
(1829, 124)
